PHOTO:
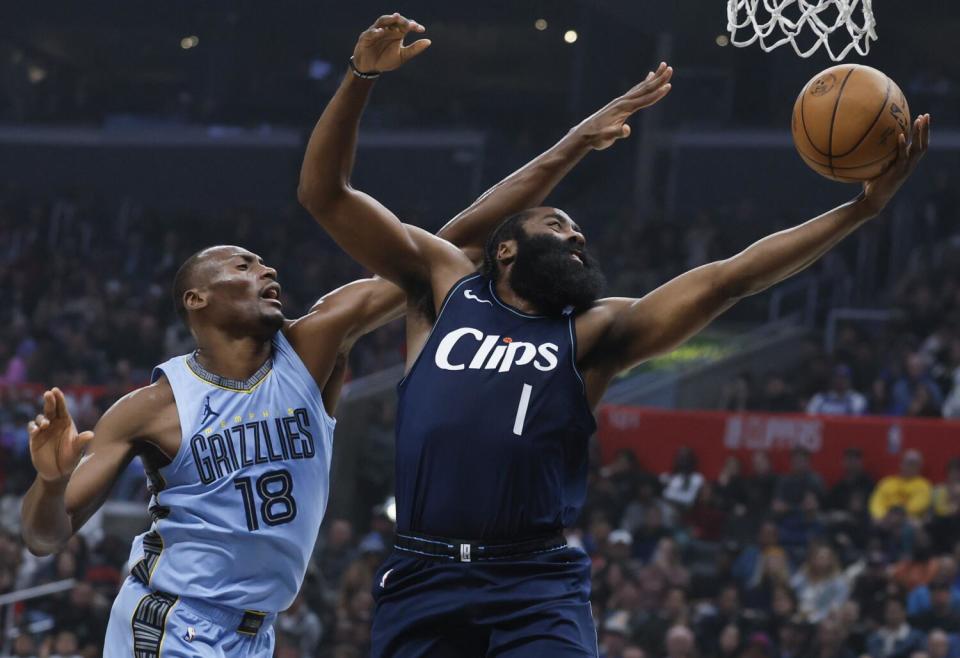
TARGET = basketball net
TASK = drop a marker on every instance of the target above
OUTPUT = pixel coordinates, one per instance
(777, 22)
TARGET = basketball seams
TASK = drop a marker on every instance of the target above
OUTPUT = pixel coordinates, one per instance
(803, 121)
(858, 166)
(883, 106)
(833, 118)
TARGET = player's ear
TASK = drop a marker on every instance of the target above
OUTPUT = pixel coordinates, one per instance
(194, 299)
(506, 252)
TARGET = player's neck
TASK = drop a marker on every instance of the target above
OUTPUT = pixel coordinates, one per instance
(511, 298)
(233, 358)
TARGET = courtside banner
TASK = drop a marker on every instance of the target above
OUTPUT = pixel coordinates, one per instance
(655, 434)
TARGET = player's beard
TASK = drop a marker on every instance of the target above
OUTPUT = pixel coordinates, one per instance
(545, 274)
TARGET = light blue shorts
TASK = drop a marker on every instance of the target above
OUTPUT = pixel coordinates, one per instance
(148, 624)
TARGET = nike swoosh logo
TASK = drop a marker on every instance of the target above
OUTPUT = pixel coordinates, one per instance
(469, 295)
(383, 581)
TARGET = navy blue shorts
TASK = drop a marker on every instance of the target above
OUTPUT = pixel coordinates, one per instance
(516, 608)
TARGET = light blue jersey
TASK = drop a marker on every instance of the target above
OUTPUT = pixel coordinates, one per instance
(237, 511)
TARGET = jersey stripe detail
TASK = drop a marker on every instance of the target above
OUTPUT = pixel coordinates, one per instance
(149, 623)
(152, 548)
(247, 385)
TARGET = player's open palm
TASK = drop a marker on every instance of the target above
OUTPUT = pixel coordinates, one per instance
(55, 445)
(608, 124)
(881, 189)
(381, 47)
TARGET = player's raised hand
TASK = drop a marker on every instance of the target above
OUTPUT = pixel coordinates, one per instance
(608, 124)
(881, 189)
(380, 47)
(55, 445)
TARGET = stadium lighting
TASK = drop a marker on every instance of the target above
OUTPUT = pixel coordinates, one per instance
(189, 42)
(540, 24)
(570, 36)
(36, 74)
(722, 40)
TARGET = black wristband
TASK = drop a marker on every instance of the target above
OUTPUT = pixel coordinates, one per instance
(363, 75)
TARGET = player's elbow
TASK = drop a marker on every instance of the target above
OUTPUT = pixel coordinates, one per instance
(320, 200)
(38, 546)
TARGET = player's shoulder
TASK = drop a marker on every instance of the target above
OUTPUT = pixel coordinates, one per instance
(142, 412)
(599, 317)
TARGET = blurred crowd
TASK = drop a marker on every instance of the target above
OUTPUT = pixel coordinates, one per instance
(907, 366)
(753, 564)
(88, 299)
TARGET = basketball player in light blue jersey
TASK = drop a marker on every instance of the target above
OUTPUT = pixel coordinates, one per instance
(237, 436)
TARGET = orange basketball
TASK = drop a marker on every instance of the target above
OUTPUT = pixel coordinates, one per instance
(846, 122)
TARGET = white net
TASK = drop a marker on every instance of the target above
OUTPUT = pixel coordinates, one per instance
(805, 24)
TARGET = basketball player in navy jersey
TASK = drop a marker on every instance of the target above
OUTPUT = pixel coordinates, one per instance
(237, 436)
(504, 368)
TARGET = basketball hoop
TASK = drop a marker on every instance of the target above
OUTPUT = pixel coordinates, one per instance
(777, 22)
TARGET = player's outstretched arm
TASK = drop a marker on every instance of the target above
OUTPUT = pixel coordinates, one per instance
(528, 186)
(370, 303)
(637, 329)
(75, 471)
(361, 225)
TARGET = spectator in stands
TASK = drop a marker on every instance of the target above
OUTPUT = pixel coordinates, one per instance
(760, 485)
(919, 568)
(909, 490)
(831, 641)
(920, 599)
(337, 553)
(681, 643)
(820, 585)
(879, 402)
(777, 395)
(794, 487)
(730, 644)
(715, 618)
(868, 591)
(750, 564)
(793, 636)
(774, 573)
(951, 406)
(652, 628)
(895, 638)
(945, 525)
(853, 489)
(737, 394)
(682, 486)
(302, 627)
(665, 570)
(938, 644)
(840, 399)
(647, 507)
(916, 393)
(731, 488)
(613, 635)
(942, 612)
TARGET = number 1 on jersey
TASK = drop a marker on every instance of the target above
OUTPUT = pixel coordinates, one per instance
(522, 409)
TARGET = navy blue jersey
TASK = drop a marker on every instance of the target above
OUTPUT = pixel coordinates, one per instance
(492, 423)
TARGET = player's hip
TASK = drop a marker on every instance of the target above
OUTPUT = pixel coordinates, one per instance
(484, 575)
(145, 622)
(527, 606)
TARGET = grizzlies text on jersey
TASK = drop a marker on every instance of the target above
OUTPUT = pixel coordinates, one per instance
(237, 511)
(492, 423)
